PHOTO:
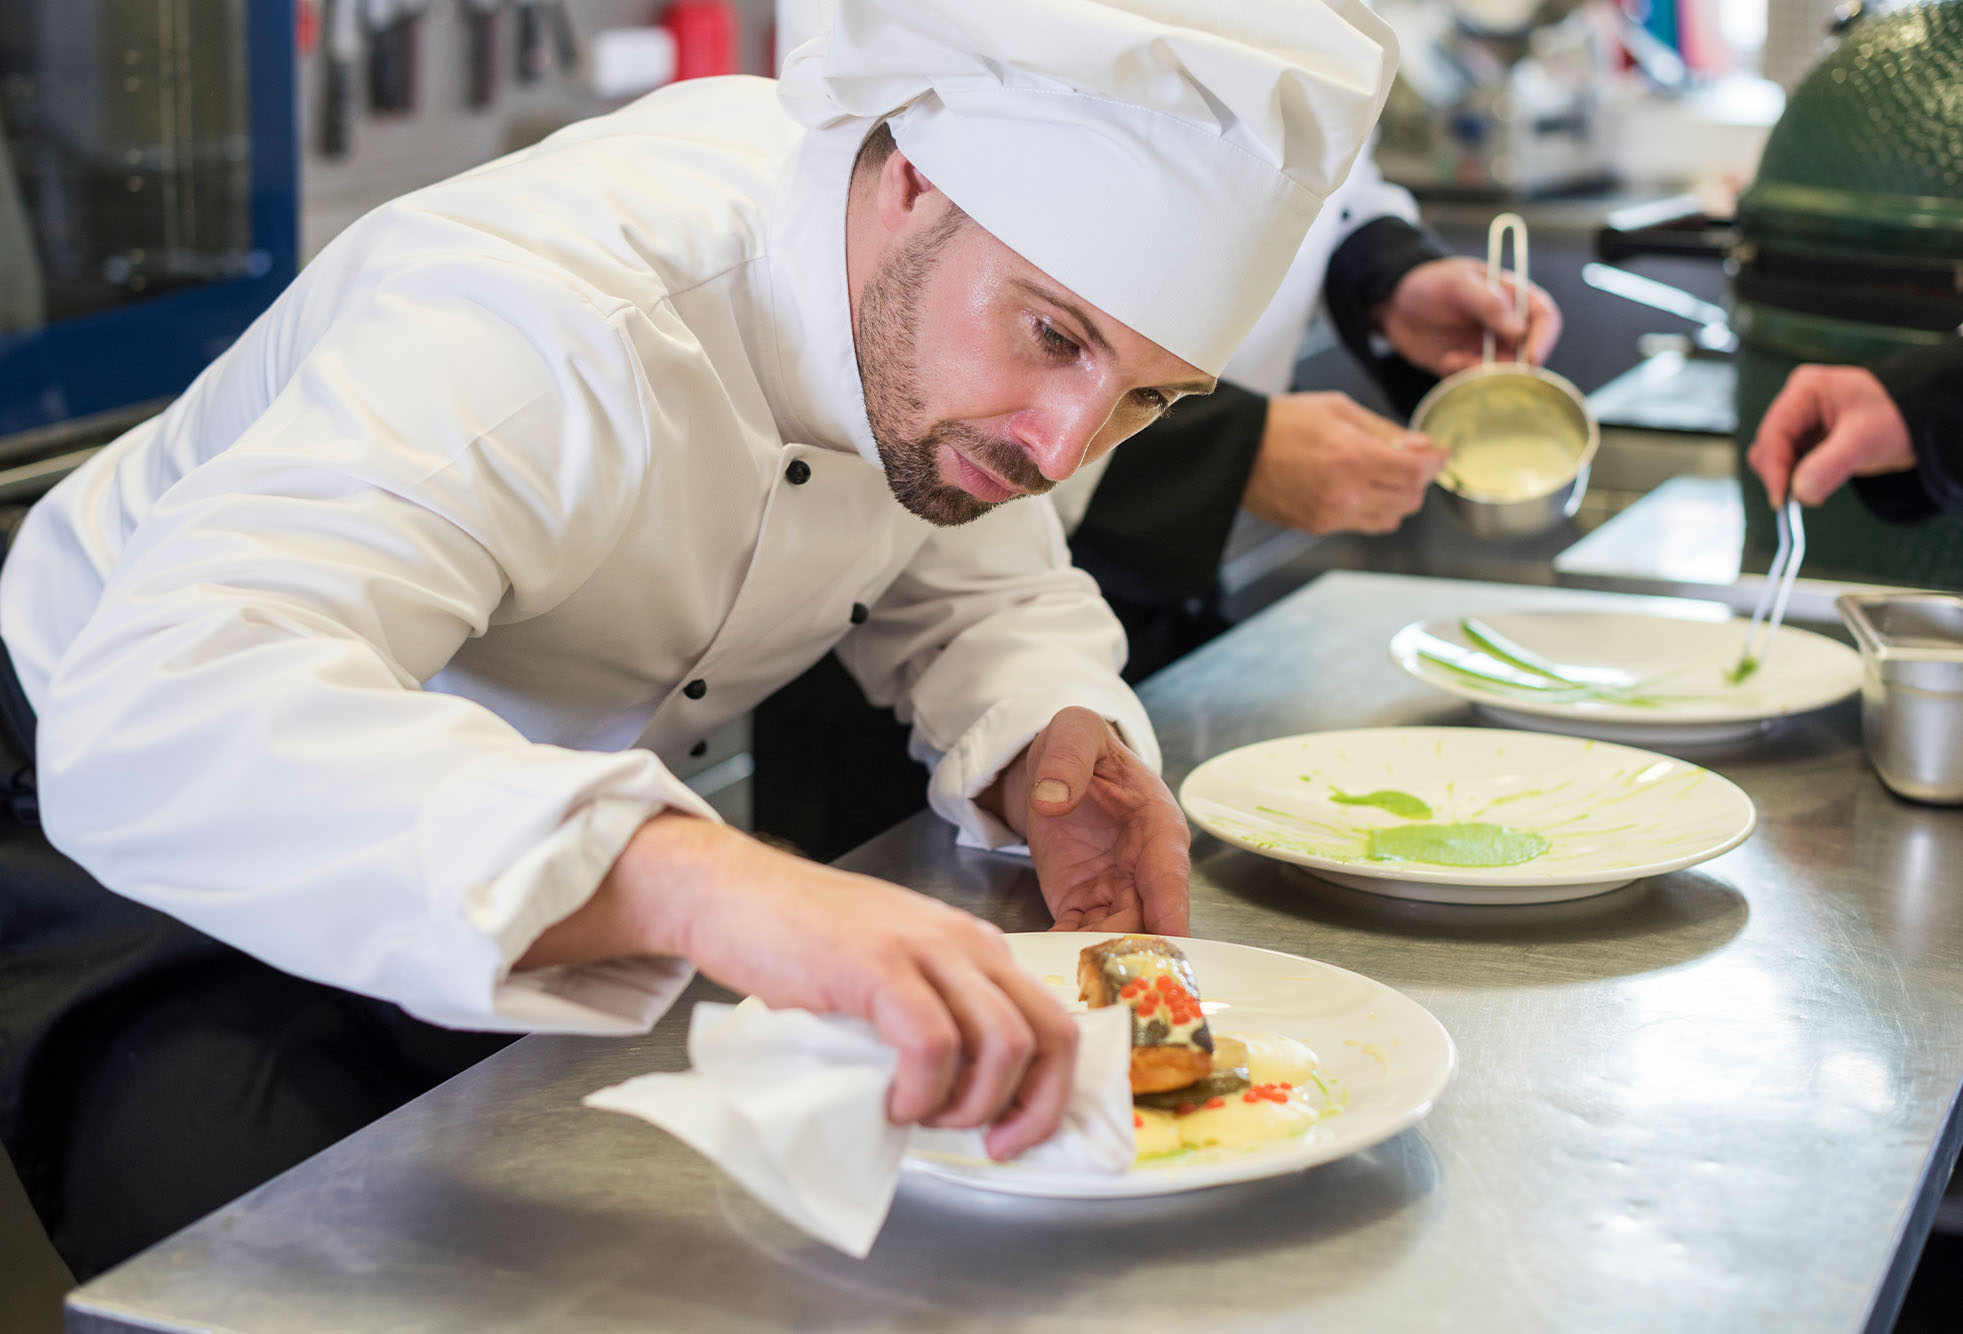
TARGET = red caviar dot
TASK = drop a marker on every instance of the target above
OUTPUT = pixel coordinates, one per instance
(1137, 1121)
(1185, 1109)
(1285, 1084)
(1216, 1102)
(1250, 1096)
(1165, 982)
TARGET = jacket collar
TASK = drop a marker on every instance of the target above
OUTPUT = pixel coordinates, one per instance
(812, 380)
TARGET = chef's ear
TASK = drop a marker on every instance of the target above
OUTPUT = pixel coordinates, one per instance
(901, 189)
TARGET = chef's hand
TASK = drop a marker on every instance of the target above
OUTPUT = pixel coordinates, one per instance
(1109, 843)
(1834, 422)
(1327, 464)
(1438, 314)
(981, 1042)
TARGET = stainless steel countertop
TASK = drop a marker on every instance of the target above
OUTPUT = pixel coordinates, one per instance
(1721, 1099)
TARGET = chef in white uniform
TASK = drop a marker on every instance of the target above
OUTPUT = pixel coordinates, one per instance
(358, 664)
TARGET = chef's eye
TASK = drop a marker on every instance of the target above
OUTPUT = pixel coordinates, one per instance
(1155, 399)
(1056, 344)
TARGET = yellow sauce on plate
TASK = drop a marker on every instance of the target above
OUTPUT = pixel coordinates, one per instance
(1240, 1121)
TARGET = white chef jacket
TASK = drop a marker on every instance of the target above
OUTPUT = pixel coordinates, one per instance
(362, 656)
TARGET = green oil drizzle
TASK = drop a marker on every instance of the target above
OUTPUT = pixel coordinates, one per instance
(1512, 654)
(1401, 804)
(1555, 690)
(1517, 669)
(1476, 844)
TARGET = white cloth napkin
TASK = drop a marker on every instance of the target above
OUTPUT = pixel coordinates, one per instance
(793, 1106)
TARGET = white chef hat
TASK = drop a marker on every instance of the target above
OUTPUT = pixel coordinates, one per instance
(1161, 158)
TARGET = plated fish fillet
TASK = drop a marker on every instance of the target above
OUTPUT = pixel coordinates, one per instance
(1171, 1046)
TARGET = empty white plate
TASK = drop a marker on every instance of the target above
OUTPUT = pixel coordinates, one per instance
(1400, 810)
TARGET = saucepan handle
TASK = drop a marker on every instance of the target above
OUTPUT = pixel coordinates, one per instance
(1496, 236)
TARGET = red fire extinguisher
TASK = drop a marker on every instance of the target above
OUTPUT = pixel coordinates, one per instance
(705, 37)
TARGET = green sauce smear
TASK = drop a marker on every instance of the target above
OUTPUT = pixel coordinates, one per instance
(1746, 666)
(1476, 844)
(1401, 804)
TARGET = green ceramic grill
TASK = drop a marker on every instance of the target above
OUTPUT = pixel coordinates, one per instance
(1850, 248)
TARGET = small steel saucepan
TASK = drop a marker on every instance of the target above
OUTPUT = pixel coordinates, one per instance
(1521, 438)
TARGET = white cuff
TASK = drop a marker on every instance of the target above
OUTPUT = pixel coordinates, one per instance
(546, 884)
(555, 877)
(974, 762)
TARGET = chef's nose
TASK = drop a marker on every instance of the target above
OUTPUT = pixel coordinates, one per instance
(1059, 433)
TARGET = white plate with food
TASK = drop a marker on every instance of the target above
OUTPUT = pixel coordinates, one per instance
(1468, 814)
(1626, 676)
(1330, 1062)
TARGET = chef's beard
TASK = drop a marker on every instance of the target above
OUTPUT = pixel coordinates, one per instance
(887, 344)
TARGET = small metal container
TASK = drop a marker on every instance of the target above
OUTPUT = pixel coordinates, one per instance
(1911, 689)
(1490, 407)
(1521, 437)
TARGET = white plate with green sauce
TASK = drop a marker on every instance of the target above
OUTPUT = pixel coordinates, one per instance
(1380, 1062)
(1468, 814)
(1621, 676)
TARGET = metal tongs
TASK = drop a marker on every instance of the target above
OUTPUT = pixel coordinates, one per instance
(1779, 577)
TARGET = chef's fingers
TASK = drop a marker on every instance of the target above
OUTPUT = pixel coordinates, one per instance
(1390, 454)
(1372, 425)
(1405, 464)
(1062, 758)
(997, 1041)
(1068, 919)
(911, 1017)
(1498, 311)
(1791, 426)
(1543, 324)
(1163, 867)
(1345, 408)
(1495, 309)
(1165, 878)
(1120, 915)
(1865, 439)
(1043, 1094)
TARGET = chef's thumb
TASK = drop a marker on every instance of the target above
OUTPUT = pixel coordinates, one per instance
(1499, 312)
(1823, 470)
(1066, 754)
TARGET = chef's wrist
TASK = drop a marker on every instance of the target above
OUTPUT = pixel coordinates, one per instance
(648, 901)
(1007, 798)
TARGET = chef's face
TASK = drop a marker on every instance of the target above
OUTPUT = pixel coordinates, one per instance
(984, 378)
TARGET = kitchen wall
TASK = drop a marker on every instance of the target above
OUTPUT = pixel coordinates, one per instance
(395, 153)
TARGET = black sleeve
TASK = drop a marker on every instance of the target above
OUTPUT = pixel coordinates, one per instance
(1158, 521)
(1364, 270)
(1927, 386)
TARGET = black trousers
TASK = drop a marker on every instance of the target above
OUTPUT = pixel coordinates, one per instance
(148, 1073)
